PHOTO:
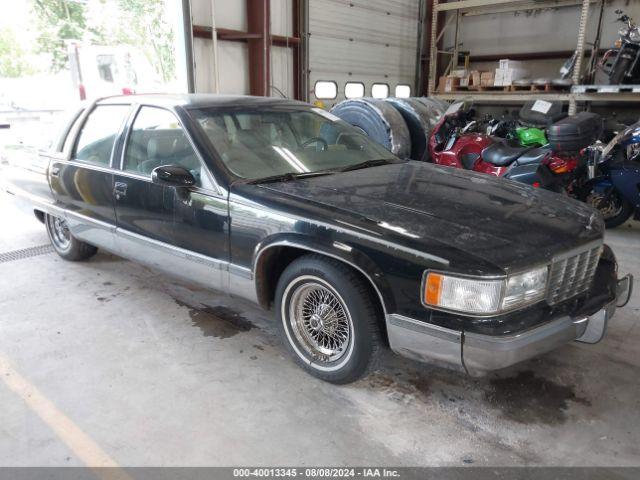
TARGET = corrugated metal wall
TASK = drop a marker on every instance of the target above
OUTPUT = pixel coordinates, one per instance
(233, 58)
(368, 41)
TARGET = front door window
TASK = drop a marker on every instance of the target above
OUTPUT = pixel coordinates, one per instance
(157, 139)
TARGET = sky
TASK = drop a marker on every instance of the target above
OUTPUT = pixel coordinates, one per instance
(15, 14)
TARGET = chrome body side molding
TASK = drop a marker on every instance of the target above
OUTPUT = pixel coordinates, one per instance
(190, 266)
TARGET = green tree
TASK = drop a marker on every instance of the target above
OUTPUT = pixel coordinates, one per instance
(57, 22)
(148, 29)
(13, 61)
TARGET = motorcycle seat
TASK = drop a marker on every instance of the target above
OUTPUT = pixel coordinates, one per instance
(535, 155)
(502, 154)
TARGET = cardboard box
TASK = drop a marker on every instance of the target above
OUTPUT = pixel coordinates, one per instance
(459, 73)
(464, 81)
(506, 77)
(486, 79)
(505, 64)
(442, 82)
(451, 84)
(474, 78)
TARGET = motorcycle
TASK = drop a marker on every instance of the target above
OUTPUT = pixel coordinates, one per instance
(621, 65)
(612, 185)
(456, 142)
(529, 129)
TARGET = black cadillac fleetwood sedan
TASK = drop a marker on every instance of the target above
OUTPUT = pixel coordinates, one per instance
(287, 206)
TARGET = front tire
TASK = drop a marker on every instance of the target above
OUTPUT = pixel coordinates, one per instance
(328, 319)
(615, 209)
(64, 243)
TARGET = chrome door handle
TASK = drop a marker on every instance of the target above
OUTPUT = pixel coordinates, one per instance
(120, 190)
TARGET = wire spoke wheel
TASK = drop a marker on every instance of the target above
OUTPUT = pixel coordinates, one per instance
(320, 321)
(60, 234)
(610, 206)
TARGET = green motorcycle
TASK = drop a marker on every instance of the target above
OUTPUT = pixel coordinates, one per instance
(529, 130)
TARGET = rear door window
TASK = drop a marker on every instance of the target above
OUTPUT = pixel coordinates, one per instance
(96, 139)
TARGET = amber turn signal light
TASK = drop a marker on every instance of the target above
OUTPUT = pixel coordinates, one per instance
(432, 289)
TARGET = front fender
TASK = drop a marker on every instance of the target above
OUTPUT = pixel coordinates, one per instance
(600, 184)
(347, 253)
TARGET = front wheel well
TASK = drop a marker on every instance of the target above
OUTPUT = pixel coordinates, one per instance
(275, 259)
(39, 215)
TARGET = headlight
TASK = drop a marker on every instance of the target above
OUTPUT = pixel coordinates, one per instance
(484, 296)
(525, 288)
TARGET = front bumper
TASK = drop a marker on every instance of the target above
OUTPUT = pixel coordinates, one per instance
(478, 354)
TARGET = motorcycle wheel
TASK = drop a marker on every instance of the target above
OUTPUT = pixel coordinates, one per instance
(617, 76)
(615, 209)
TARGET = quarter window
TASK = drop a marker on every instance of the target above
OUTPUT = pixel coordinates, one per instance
(380, 90)
(95, 142)
(156, 139)
(354, 90)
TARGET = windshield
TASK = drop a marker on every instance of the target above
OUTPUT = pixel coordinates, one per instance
(272, 141)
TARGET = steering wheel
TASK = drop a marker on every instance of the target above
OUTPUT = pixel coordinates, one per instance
(313, 140)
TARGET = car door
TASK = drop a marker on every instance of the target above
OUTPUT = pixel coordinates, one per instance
(178, 229)
(82, 183)
(143, 207)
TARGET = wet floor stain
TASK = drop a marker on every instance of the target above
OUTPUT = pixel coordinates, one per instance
(527, 398)
(524, 397)
(400, 386)
(219, 322)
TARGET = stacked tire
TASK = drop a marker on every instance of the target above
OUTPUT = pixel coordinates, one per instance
(401, 125)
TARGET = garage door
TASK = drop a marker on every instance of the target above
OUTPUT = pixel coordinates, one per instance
(362, 43)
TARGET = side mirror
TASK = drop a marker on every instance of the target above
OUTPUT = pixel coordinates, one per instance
(172, 176)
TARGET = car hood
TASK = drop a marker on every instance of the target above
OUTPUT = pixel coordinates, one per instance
(439, 210)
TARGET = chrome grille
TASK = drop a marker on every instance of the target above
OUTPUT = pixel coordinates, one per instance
(572, 275)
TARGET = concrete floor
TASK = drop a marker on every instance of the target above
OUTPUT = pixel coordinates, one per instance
(155, 373)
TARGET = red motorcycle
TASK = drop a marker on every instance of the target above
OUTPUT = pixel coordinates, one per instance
(456, 142)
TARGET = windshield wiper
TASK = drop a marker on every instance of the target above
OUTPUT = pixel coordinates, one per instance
(287, 177)
(367, 164)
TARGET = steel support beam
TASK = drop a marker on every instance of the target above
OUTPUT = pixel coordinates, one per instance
(188, 41)
(260, 40)
(296, 52)
(565, 54)
(259, 23)
(227, 34)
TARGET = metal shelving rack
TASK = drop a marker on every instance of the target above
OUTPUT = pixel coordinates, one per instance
(483, 7)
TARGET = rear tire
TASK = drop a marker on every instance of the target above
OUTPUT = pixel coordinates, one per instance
(65, 244)
(328, 319)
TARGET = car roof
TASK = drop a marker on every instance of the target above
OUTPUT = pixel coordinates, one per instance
(199, 100)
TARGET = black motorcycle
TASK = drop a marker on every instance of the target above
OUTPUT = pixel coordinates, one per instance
(621, 65)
